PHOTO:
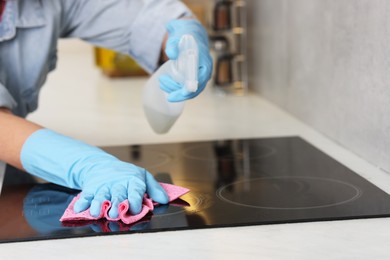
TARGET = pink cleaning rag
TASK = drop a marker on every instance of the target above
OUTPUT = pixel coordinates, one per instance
(174, 192)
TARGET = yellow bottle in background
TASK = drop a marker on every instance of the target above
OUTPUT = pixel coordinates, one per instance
(114, 64)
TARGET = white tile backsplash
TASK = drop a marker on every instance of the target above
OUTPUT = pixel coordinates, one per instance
(328, 63)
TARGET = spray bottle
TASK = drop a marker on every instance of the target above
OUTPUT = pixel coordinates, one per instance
(160, 113)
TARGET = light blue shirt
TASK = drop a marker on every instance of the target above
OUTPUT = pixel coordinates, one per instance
(30, 29)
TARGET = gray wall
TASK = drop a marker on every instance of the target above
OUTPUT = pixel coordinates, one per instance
(328, 63)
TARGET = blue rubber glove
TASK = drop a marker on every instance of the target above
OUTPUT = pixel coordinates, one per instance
(100, 176)
(176, 29)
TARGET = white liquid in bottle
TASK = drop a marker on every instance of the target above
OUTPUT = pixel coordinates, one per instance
(161, 123)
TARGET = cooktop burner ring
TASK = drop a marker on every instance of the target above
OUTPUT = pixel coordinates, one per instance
(197, 152)
(355, 191)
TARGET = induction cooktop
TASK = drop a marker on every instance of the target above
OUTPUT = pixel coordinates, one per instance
(238, 182)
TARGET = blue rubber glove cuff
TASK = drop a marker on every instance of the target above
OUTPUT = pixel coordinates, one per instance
(176, 29)
(56, 158)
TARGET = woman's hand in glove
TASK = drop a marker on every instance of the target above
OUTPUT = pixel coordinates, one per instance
(101, 176)
(116, 181)
(176, 29)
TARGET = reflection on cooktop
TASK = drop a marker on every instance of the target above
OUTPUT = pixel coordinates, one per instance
(232, 182)
(147, 159)
(227, 151)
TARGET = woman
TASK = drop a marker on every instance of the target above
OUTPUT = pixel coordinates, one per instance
(147, 30)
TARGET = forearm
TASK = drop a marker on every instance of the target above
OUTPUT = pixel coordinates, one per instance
(14, 131)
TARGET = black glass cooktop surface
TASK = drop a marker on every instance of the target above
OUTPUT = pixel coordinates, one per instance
(232, 182)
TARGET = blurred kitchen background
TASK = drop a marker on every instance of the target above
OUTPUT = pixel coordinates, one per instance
(325, 62)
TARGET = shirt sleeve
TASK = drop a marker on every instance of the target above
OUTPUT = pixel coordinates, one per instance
(133, 27)
(6, 100)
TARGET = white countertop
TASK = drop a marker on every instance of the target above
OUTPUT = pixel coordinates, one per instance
(78, 101)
